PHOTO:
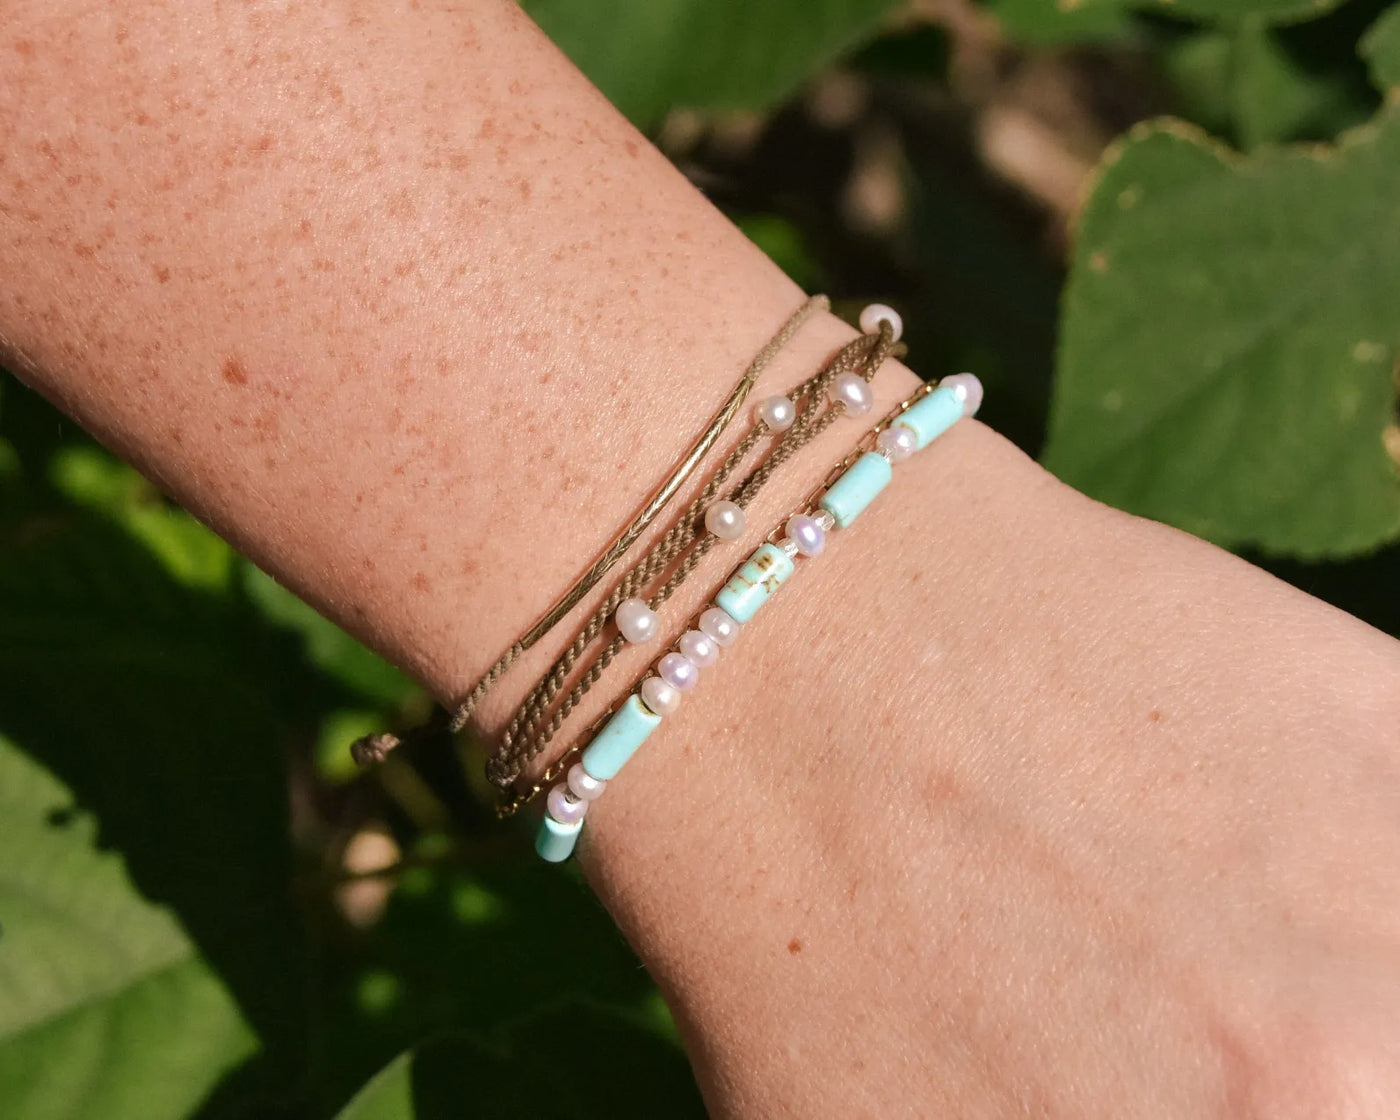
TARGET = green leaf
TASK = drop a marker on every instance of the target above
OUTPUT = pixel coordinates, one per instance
(106, 1009)
(164, 709)
(1246, 83)
(1381, 49)
(552, 1056)
(388, 1095)
(329, 647)
(1275, 99)
(1218, 11)
(649, 56)
(1228, 339)
(1045, 23)
(94, 480)
(420, 970)
(782, 242)
(1200, 69)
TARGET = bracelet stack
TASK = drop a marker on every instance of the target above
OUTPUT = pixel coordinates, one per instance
(848, 490)
(781, 426)
(628, 613)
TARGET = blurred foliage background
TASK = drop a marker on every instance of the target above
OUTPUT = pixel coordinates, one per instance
(1167, 235)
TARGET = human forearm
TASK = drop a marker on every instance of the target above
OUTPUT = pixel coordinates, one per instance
(415, 324)
(418, 327)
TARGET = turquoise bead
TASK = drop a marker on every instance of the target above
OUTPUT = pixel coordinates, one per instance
(555, 842)
(621, 736)
(750, 587)
(856, 489)
(932, 416)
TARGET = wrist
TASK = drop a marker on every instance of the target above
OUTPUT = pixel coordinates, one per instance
(734, 849)
(808, 352)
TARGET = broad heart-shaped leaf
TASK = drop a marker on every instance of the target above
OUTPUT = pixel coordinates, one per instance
(1221, 11)
(1229, 335)
(106, 1009)
(648, 56)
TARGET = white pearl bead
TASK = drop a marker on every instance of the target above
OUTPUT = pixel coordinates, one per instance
(897, 443)
(876, 313)
(806, 533)
(852, 390)
(564, 807)
(719, 625)
(660, 697)
(969, 391)
(636, 621)
(725, 520)
(678, 671)
(698, 648)
(778, 413)
(585, 786)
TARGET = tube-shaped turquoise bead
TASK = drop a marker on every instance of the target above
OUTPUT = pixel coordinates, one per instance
(932, 416)
(856, 489)
(752, 585)
(555, 842)
(619, 739)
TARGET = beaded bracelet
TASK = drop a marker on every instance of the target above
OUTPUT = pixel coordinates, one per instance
(845, 493)
(793, 420)
(371, 749)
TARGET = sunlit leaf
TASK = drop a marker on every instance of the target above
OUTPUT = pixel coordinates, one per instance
(106, 1008)
(1229, 338)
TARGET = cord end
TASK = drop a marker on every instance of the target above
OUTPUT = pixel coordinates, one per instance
(371, 750)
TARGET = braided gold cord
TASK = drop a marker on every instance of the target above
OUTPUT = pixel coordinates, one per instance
(371, 749)
(518, 797)
(531, 730)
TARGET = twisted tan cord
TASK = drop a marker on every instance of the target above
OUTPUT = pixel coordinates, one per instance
(518, 797)
(859, 353)
(533, 727)
(373, 748)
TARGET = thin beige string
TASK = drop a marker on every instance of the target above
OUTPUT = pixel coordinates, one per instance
(373, 748)
(533, 727)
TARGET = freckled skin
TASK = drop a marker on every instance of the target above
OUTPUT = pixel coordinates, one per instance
(233, 371)
(388, 292)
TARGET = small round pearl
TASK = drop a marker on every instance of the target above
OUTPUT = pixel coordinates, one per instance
(585, 786)
(636, 620)
(778, 413)
(678, 671)
(897, 443)
(698, 648)
(725, 520)
(852, 390)
(660, 697)
(875, 314)
(719, 625)
(564, 807)
(969, 391)
(806, 533)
